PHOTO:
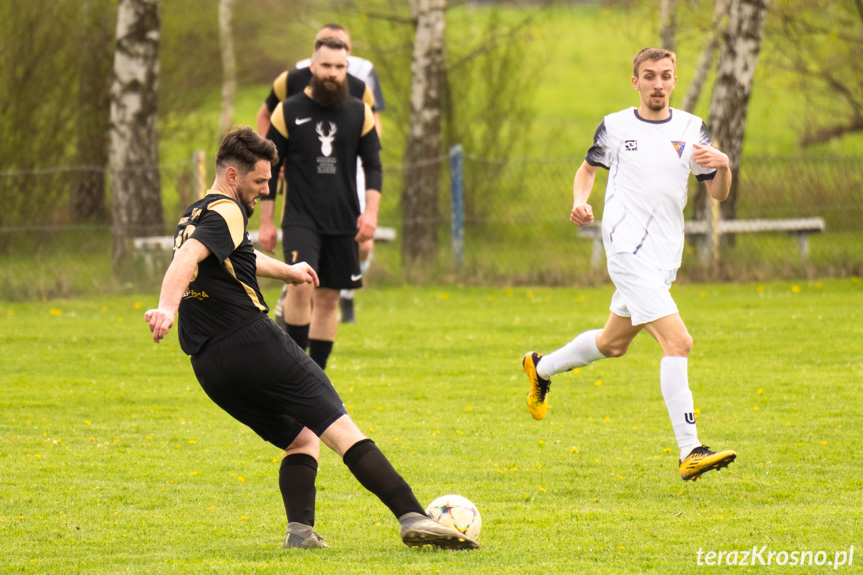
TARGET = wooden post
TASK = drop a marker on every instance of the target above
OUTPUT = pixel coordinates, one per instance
(199, 174)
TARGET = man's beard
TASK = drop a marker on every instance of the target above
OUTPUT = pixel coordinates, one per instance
(328, 96)
(653, 105)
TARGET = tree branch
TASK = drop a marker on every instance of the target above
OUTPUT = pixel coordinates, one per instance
(489, 44)
(827, 134)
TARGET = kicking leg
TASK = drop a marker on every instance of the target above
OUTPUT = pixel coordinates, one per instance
(374, 472)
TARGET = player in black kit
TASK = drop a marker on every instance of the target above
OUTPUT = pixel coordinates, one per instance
(319, 134)
(250, 368)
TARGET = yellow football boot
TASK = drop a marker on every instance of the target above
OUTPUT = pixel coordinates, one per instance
(702, 460)
(536, 401)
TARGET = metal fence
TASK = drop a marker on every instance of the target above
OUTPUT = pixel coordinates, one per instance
(510, 225)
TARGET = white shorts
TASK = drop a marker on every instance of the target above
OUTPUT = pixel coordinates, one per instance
(642, 289)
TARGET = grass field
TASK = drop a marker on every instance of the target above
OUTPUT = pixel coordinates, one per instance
(114, 461)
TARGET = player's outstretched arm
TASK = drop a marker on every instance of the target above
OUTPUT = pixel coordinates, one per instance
(582, 184)
(176, 281)
(710, 157)
(299, 273)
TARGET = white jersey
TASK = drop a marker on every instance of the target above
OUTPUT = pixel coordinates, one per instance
(649, 163)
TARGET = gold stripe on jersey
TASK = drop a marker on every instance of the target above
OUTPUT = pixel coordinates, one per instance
(280, 86)
(369, 123)
(278, 120)
(369, 97)
(249, 291)
(230, 212)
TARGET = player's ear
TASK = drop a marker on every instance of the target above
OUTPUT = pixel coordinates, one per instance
(231, 174)
(635, 82)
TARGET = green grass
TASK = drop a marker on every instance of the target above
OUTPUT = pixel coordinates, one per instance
(114, 461)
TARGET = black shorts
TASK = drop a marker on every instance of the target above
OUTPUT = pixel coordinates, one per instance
(264, 380)
(335, 258)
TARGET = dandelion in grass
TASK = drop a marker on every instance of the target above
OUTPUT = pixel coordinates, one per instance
(598, 382)
(55, 312)
(795, 289)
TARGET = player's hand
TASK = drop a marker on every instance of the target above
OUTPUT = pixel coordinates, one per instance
(160, 322)
(367, 223)
(709, 157)
(581, 215)
(302, 273)
(267, 237)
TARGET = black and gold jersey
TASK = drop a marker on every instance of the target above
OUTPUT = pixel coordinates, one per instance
(223, 294)
(295, 81)
(320, 147)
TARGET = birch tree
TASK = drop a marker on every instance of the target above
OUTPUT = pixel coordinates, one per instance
(735, 73)
(136, 193)
(422, 153)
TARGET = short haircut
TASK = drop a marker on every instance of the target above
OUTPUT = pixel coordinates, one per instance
(242, 148)
(652, 55)
(337, 27)
(332, 44)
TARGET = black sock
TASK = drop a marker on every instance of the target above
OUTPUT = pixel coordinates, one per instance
(300, 334)
(320, 351)
(297, 484)
(375, 473)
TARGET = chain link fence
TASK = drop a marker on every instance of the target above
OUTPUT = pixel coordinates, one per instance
(514, 213)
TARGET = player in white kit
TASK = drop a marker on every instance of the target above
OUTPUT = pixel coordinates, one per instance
(649, 152)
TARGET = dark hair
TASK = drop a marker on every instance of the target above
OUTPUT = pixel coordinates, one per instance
(243, 148)
(653, 55)
(333, 26)
(331, 43)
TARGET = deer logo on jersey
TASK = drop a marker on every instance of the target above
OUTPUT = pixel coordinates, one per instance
(326, 139)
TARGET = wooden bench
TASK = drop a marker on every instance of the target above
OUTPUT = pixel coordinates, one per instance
(152, 250)
(801, 227)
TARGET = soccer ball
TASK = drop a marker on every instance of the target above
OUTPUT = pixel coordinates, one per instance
(457, 512)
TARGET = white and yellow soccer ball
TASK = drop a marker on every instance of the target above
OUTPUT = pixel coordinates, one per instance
(457, 512)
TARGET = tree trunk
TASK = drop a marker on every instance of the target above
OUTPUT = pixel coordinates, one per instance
(668, 24)
(88, 201)
(422, 162)
(705, 63)
(229, 68)
(136, 193)
(734, 76)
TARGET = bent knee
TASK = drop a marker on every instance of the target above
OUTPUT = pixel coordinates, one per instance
(614, 348)
(680, 346)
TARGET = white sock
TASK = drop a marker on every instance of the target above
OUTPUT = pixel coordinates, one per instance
(346, 294)
(365, 264)
(674, 380)
(579, 352)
